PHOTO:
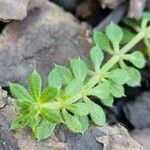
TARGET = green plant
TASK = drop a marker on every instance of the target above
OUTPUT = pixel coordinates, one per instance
(66, 99)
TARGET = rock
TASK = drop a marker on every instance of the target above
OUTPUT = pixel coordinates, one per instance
(136, 8)
(137, 112)
(47, 36)
(13, 9)
(98, 138)
(142, 136)
(110, 3)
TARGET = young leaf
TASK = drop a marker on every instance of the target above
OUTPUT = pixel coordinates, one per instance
(119, 76)
(102, 41)
(20, 93)
(134, 75)
(19, 123)
(97, 57)
(64, 74)
(79, 68)
(35, 83)
(108, 101)
(84, 122)
(54, 79)
(114, 33)
(102, 91)
(80, 108)
(117, 90)
(127, 36)
(45, 129)
(51, 115)
(137, 59)
(72, 122)
(73, 88)
(49, 94)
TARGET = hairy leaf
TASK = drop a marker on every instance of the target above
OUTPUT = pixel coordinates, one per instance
(72, 122)
(79, 68)
(97, 57)
(35, 83)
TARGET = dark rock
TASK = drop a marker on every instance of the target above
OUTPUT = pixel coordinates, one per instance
(142, 136)
(137, 112)
(47, 36)
(100, 138)
(13, 9)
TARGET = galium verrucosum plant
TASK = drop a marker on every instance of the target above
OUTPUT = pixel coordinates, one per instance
(66, 99)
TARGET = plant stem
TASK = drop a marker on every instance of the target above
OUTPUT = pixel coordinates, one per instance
(133, 42)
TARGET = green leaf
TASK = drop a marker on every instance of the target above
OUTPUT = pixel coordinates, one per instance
(64, 74)
(45, 129)
(97, 114)
(73, 88)
(108, 101)
(80, 108)
(97, 57)
(72, 122)
(132, 23)
(102, 41)
(114, 33)
(19, 123)
(134, 77)
(35, 83)
(49, 94)
(20, 93)
(84, 122)
(137, 59)
(54, 79)
(146, 15)
(127, 36)
(79, 68)
(117, 90)
(51, 115)
(102, 91)
(119, 76)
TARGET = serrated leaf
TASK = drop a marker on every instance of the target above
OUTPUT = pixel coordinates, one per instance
(108, 101)
(51, 115)
(72, 122)
(102, 91)
(49, 94)
(73, 88)
(45, 129)
(134, 77)
(117, 90)
(102, 41)
(127, 36)
(79, 68)
(20, 93)
(34, 85)
(84, 122)
(114, 33)
(80, 108)
(97, 57)
(137, 59)
(146, 15)
(54, 79)
(19, 123)
(64, 74)
(119, 76)
(97, 114)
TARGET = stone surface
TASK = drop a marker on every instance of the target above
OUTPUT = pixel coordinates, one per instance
(142, 136)
(138, 111)
(100, 138)
(47, 36)
(13, 9)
